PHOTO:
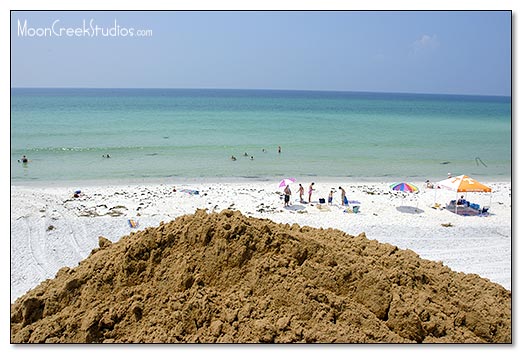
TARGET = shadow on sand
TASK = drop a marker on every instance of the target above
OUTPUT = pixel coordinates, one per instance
(410, 210)
(295, 207)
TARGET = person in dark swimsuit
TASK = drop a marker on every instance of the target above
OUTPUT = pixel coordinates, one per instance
(288, 193)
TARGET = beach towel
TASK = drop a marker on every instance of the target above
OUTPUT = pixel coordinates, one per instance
(190, 191)
(133, 223)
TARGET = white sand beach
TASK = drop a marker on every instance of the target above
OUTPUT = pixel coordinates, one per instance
(51, 229)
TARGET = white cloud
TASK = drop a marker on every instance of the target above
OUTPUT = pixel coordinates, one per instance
(426, 42)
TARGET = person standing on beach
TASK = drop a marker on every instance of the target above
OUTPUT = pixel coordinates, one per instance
(310, 191)
(288, 193)
(301, 193)
(344, 201)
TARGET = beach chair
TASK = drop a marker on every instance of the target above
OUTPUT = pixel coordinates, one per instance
(474, 206)
(133, 223)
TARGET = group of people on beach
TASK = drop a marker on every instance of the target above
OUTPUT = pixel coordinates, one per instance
(288, 192)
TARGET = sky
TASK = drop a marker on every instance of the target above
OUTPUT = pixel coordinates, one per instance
(447, 52)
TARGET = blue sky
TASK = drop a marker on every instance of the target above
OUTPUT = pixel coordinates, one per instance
(454, 52)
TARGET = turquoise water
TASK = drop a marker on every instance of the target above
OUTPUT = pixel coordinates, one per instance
(175, 133)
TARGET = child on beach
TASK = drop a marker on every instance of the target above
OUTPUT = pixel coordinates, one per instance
(330, 197)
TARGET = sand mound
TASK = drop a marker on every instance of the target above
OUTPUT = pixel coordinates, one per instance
(229, 278)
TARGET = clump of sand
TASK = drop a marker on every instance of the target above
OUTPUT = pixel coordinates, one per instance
(230, 278)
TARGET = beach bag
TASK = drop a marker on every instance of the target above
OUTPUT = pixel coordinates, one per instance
(321, 200)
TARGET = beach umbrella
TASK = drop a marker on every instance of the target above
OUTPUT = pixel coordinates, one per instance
(286, 181)
(404, 187)
(463, 184)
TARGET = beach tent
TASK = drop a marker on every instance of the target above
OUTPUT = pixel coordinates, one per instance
(463, 184)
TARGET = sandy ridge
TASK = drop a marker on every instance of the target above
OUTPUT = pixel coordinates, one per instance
(229, 278)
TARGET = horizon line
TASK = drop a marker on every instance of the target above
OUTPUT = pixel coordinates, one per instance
(258, 89)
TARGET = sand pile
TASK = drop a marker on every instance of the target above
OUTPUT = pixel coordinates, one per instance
(229, 278)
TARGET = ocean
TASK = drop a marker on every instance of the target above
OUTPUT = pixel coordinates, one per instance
(180, 134)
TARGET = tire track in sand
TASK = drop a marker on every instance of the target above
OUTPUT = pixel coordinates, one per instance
(35, 238)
